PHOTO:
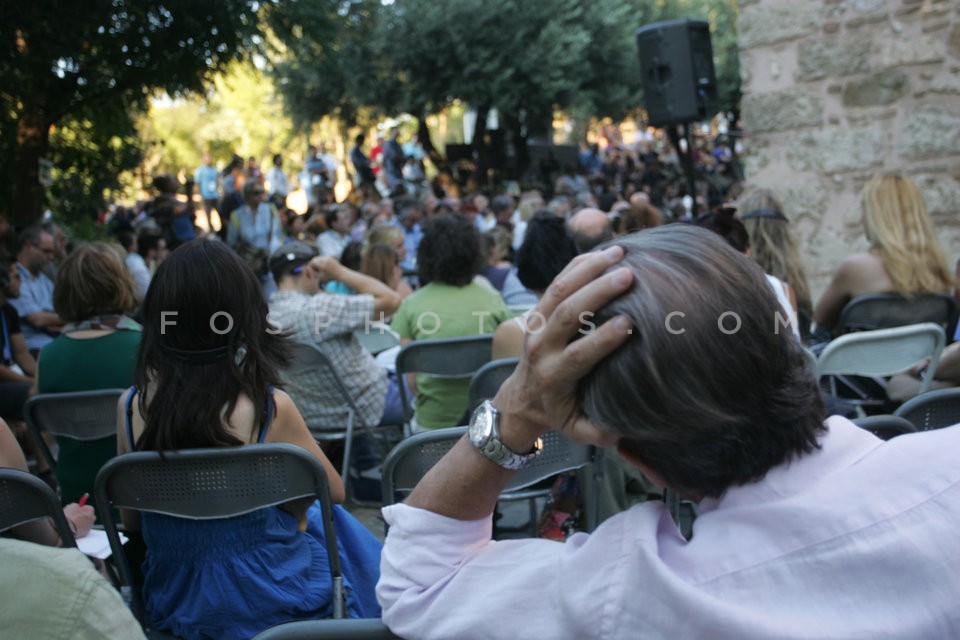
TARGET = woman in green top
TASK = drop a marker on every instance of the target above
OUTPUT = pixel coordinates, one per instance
(451, 304)
(97, 349)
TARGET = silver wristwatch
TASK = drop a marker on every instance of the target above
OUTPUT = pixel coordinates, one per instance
(484, 432)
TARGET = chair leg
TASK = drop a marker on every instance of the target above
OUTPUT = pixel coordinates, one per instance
(347, 452)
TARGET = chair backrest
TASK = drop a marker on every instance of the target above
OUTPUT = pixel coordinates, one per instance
(377, 337)
(885, 427)
(488, 378)
(883, 352)
(80, 415)
(204, 484)
(24, 498)
(932, 410)
(308, 356)
(887, 310)
(348, 629)
(443, 358)
(415, 456)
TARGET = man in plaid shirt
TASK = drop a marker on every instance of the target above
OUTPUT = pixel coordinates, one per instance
(302, 309)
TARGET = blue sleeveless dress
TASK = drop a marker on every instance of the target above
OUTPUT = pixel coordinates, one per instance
(234, 577)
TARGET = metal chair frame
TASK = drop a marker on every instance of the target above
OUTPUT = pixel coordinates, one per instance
(308, 355)
(459, 357)
(348, 629)
(415, 456)
(488, 378)
(25, 498)
(886, 310)
(207, 484)
(932, 410)
(80, 415)
(882, 352)
(885, 427)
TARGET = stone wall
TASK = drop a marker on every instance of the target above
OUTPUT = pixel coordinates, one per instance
(836, 91)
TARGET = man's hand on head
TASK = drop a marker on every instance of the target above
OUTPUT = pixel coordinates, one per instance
(542, 393)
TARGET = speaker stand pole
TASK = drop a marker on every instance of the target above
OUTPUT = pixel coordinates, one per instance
(686, 160)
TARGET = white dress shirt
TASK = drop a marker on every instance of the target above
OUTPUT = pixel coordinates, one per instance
(856, 540)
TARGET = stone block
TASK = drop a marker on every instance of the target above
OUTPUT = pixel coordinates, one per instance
(878, 89)
(941, 192)
(897, 52)
(802, 200)
(818, 59)
(780, 110)
(868, 6)
(863, 118)
(756, 157)
(930, 131)
(953, 42)
(766, 24)
(837, 149)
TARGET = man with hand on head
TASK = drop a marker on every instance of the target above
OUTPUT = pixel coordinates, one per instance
(807, 527)
(301, 307)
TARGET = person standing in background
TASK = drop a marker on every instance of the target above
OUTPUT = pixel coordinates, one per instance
(278, 186)
(207, 179)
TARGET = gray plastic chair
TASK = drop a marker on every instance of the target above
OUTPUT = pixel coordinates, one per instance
(932, 410)
(307, 356)
(415, 456)
(206, 484)
(488, 379)
(885, 427)
(883, 352)
(80, 415)
(349, 629)
(886, 310)
(443, 358)
(25, 498)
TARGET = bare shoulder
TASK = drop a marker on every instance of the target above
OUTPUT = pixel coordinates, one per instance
(864, 273)
(862, 260)
(284, 403)
(508, 340)
(287, 420)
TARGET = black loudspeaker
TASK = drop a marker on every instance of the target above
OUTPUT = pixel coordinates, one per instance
(676, 65)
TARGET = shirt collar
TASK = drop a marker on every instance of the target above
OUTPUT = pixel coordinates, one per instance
(842, 445)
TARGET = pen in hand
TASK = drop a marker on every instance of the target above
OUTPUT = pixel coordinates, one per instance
(83, 499)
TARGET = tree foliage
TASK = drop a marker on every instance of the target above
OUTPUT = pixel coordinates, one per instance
(95, 65)
(526, 59)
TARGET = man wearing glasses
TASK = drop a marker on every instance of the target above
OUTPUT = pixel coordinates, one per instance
(35, 250)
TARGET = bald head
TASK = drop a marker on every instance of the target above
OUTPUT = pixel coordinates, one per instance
(588, 228)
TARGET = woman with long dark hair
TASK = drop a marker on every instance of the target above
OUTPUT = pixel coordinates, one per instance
(205, 377)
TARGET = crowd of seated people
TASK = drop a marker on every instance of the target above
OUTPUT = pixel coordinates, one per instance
(434, 264)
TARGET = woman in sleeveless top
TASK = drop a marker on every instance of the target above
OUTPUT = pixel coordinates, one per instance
(204, 377)
(905, 255)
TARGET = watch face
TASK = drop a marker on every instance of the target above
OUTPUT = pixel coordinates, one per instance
(481, 425)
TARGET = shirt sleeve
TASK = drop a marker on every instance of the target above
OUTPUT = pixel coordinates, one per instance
(29, 302)
(445, 578)
(335, 314)
(101, 613)
(401, 322)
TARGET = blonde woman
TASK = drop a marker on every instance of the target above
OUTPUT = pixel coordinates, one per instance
(904, 257)
(773, 247)
(384, 249)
